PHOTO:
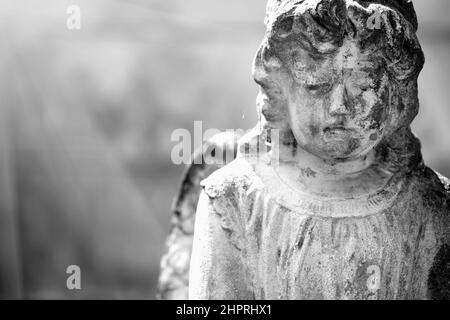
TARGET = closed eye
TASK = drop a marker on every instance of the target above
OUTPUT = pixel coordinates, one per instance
(367, 86)
(323, 87)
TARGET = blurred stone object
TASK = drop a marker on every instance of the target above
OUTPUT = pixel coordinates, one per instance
(348, 209)
(174, 277)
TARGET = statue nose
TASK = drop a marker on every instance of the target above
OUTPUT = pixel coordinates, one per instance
(339, 104)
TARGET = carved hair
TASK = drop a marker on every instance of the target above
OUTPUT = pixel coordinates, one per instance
(320, 27)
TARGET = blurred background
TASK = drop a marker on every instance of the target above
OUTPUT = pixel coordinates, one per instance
(86, 118)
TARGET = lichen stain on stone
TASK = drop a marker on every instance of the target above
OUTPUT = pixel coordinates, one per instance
(439, 279)
(308, 172)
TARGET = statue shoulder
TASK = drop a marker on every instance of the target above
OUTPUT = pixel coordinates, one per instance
(445, 182)
(439, 276)
(445, 187)
(434, 191)
(232, 180)
(435, 184)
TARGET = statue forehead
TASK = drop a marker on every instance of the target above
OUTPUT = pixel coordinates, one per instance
(348, 56)
(348, 61)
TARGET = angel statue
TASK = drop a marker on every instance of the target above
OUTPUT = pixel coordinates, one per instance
(346, 209)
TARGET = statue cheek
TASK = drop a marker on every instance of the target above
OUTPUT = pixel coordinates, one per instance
(371, 110)
(378, 116)
(374, 119)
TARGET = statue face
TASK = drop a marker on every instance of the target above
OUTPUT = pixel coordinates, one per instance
(338, 103)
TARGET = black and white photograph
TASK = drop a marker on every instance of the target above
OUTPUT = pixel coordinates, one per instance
(240, 150)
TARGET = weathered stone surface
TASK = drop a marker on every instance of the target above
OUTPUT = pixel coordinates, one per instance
(349, 210)
(174, 277)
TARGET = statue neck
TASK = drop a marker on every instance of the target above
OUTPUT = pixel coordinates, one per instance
(305, 183)
(338, 178)
(335, 168)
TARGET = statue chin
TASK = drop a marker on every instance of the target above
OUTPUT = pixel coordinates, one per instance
(339, 149)
(346, 150)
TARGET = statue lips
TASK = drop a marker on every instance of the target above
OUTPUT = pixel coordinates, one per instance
(337, 132)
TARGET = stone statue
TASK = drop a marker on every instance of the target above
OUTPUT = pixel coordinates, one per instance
(340, 205)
